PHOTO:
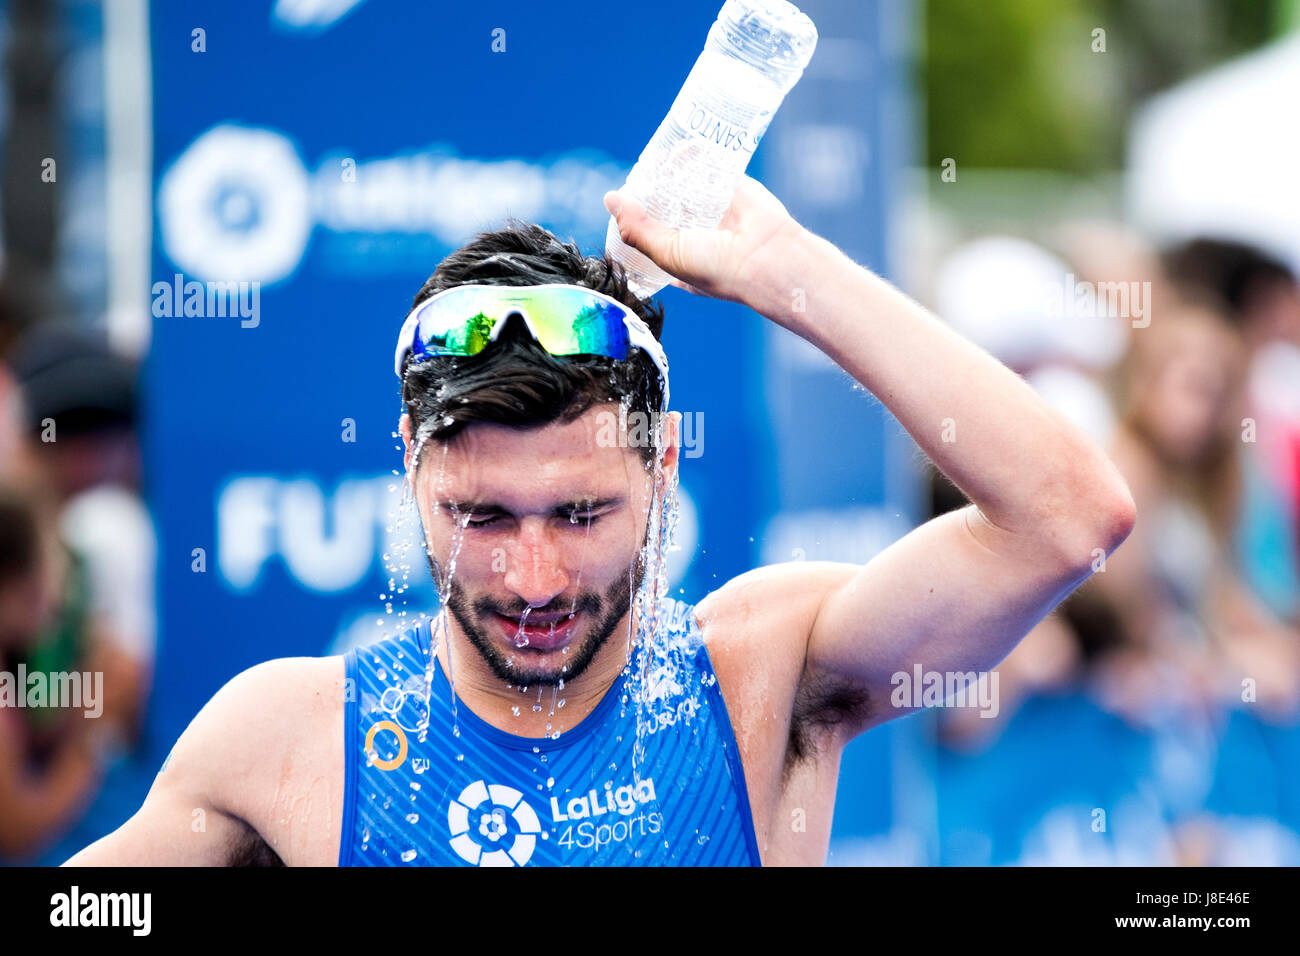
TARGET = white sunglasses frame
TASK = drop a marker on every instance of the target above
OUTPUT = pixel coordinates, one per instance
(639, 334)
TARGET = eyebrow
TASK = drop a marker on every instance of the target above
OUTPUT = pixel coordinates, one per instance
(562, 510)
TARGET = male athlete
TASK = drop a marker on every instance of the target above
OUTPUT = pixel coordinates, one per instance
(551, 717)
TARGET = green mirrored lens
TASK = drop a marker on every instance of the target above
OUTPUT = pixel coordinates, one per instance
(575, 323)
(566, 321)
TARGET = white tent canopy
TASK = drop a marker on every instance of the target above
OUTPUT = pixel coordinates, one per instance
(1218, 155)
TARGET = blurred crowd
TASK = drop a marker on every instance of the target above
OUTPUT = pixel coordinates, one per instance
(1185, 363)
(76, 576)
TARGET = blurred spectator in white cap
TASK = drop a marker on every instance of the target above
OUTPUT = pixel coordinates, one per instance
(1023, 304)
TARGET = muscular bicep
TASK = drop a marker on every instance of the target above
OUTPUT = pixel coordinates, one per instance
(953, 596)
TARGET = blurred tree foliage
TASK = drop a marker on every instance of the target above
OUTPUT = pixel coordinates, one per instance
(1016, 83)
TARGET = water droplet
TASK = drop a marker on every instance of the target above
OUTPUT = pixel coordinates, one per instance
(408, 856)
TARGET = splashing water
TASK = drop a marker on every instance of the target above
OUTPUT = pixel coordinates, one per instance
(650, 669)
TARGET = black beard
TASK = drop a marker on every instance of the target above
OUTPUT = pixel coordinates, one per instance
(606, 611)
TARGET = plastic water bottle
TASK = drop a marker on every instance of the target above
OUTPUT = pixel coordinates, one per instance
(687, 174)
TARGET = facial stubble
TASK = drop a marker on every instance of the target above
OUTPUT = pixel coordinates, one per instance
(605, 611)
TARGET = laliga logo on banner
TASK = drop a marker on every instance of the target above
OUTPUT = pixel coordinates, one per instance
(236, 205)
(312, 14)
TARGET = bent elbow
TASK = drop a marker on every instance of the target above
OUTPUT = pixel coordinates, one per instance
(1121, 517)
(1097, 526)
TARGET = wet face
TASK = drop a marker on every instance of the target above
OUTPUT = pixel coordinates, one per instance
(535, 538)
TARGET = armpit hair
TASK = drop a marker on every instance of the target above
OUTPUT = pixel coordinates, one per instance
(252, 850)
(822, 704)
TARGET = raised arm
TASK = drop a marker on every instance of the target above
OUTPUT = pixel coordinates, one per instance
(957, 593)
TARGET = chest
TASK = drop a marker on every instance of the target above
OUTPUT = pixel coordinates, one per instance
(658, 785)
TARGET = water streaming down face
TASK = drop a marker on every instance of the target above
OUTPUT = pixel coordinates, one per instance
(648, 671)
(653, 672)
(480, 614)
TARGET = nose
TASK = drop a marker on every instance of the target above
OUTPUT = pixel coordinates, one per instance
(534, 569)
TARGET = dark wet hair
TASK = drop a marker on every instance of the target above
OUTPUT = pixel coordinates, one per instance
(514, 381)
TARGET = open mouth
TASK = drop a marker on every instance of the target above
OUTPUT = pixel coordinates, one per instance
(543, 635)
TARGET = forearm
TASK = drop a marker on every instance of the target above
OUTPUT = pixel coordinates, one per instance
(980, 423)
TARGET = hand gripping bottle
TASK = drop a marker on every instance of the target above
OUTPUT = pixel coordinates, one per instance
(687, 174)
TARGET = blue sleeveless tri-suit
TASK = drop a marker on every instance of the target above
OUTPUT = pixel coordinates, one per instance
(473, 795)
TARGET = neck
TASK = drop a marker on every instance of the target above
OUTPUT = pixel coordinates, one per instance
(535, 710)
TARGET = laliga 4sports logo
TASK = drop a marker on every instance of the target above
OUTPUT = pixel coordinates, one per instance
(491, 825)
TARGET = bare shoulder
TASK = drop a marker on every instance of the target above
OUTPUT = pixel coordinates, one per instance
(270, 737)
(256, 779)
(259, 698)
(265, 710)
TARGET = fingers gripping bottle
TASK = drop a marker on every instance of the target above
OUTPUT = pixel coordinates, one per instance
(755, 53)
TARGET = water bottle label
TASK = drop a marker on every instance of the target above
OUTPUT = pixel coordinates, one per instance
(697, 118)
(720, 119)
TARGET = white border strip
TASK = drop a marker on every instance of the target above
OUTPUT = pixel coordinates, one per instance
(128, 109)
